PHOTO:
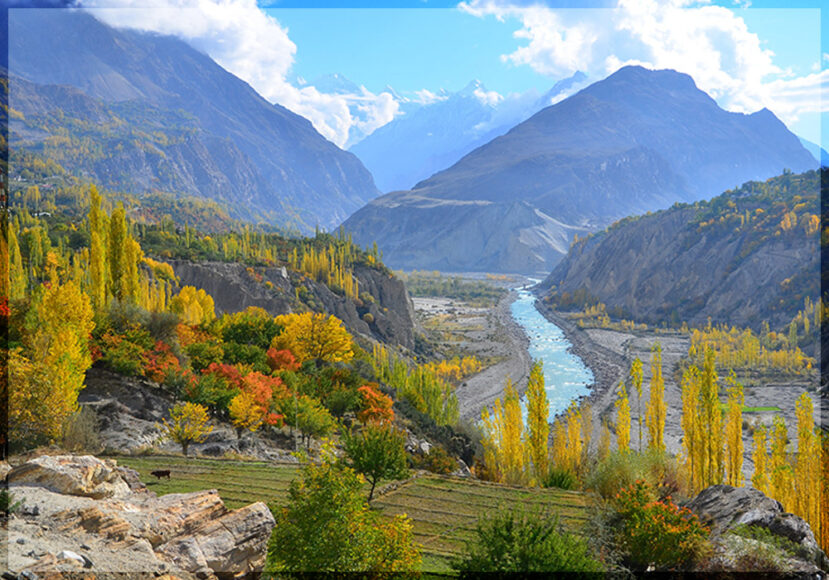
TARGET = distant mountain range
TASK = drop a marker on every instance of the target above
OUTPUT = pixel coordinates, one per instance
(634, 142)
(431, 137)
(139, 112)
(747, 256)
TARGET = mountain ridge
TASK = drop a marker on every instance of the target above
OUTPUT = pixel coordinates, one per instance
(634, 142)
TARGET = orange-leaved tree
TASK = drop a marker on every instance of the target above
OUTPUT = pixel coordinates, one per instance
(375, 407)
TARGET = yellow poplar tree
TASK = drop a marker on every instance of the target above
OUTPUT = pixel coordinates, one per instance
(760, 479)
(187, 424)
(504, 449)
(711, 456)
(17, 274)
(97, 252)
(691, 427)
(656, 412)
(782, 482)
(734, 433)
(622, 420)
(636, 376)
(807, 474)
(117, 245)
(604, 441)
(538, 426)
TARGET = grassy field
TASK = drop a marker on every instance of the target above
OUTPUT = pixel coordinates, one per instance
(239, 483)
(444, 509)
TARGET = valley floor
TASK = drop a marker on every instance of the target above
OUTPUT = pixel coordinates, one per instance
(609, 354)
(489, 333)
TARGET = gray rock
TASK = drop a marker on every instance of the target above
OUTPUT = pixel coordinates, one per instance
(73, 475)
(70, 555)
(723, 507)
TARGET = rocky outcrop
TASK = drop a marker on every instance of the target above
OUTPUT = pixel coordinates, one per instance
(85, 476)
(61, 528)
(723, 508)
(129, 411)
(234, 288)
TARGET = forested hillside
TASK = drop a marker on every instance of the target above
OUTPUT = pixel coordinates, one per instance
(747, 256)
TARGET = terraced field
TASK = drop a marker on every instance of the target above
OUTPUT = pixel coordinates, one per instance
(444, 509)
(239, 483)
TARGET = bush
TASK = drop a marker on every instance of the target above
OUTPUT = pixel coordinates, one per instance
(123, 355)
(657, 533)
(515, 541)
(436, 461)
(246, 354)
(203, 354)
(81, 432)
(7, 503)
(560, 478)
(622, 469)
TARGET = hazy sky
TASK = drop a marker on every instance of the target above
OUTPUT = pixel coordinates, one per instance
(747, 55)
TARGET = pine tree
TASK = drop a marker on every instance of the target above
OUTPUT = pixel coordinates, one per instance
(656, 412)
(538, 426)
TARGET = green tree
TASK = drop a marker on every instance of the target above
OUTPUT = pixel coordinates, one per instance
(377, 452)
(97, 252)
(117, 250)
(328, 526)
(512, 541)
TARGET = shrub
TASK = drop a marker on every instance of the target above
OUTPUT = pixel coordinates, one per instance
(622, 469)
(80, 433)
(246, 354)
(123, 355)
(203, 354)
(7, 503)
(657, 533)
(436, 461)
(516, 541)
(328, 526)
(560, 478)
(368, 318)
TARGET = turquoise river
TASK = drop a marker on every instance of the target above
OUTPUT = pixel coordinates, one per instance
(565, 375)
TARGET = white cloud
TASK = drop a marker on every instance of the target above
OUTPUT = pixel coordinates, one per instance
(427, 97)
(711, 43)
(489, 98)
(255, 47)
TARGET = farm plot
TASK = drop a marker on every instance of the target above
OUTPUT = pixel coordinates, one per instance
(445, 510)
(239, 483)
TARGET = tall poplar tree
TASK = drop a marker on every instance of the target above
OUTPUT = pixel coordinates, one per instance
(734, 433)
(656, 412)
(538, 426)
(622, 420)
(636, 376)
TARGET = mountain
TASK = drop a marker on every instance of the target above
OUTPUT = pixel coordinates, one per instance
(149, 112)
(816, 151)
(636, 141)
(434, 136)
(748, 255)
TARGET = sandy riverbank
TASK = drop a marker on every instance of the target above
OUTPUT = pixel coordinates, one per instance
(486, 333)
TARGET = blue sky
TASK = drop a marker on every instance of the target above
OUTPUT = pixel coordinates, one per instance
(766, 55)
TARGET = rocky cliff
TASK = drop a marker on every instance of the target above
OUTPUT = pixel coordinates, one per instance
(82, 515)
(383, 312)
(746, 256)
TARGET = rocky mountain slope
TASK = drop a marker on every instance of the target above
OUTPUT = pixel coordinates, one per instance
(141, 112)
(433, 137)
(748, 255)
(82, 515)
(234, 288)
(636, 141)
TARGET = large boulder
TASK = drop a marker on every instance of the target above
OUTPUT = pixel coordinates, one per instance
(102, 512)
(723, 508)
(231, 545)
(85, 476)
